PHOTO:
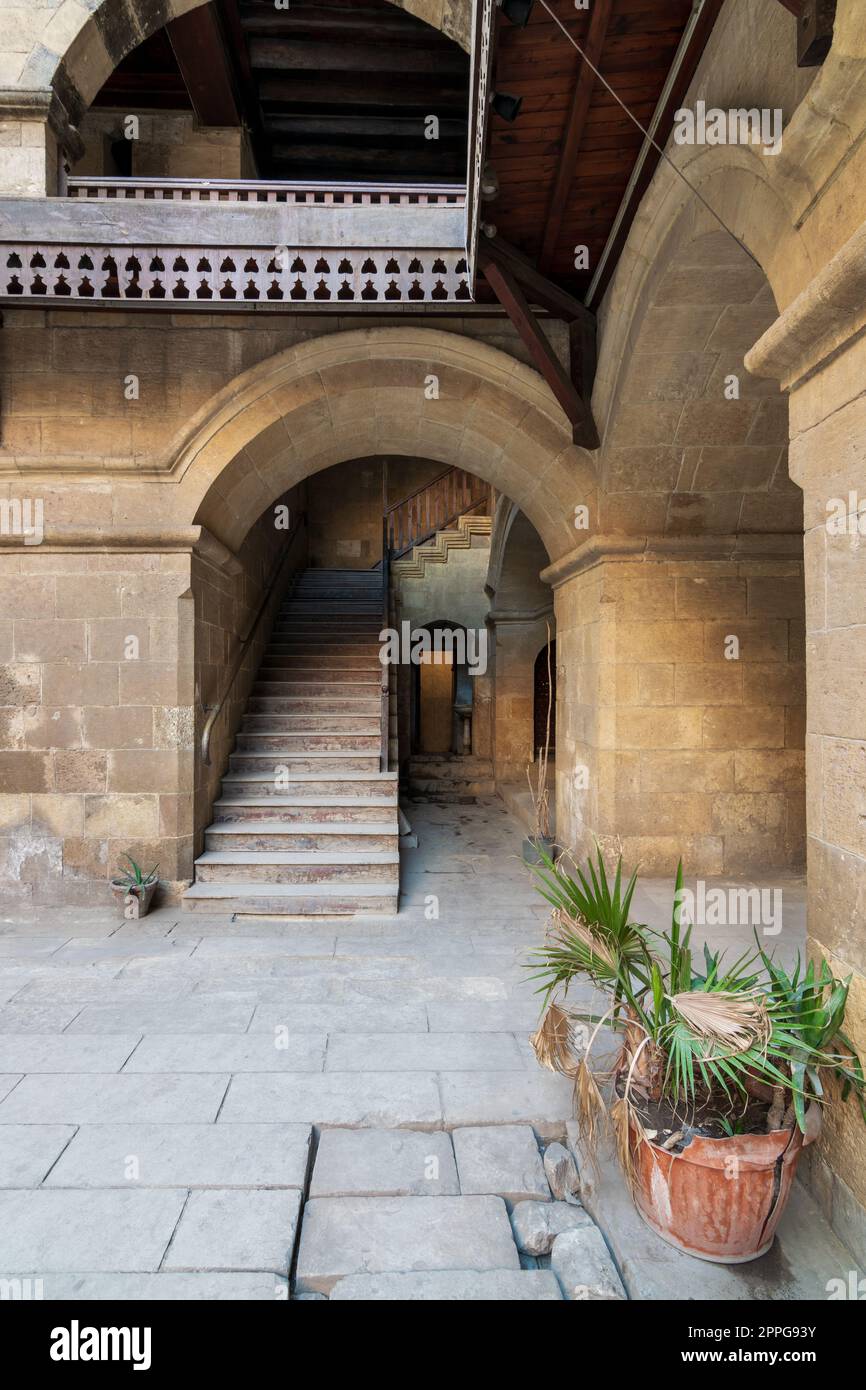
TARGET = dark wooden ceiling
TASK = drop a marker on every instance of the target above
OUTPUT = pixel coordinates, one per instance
(330, 89)
(339, 89)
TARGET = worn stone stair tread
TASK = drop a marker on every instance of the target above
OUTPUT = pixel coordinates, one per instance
(308, 845)
(307, 856)
(341, 889)
(280, 827)
(311, 754)
(366, 801)
(385, 777)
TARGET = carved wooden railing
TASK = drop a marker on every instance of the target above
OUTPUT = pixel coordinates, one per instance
(417, 517)
(308, 193)
(135, 274)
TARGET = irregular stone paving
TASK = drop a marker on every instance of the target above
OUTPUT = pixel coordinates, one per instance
(191, 1108)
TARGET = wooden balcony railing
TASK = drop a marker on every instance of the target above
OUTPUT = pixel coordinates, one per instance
(307, 194)
(414, 519)
(74, 273)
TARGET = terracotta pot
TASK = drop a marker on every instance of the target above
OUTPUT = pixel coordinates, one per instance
(134, 902)
(720, 1199)
(532, 846)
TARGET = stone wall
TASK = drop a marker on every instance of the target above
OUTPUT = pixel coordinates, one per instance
(683, 730)
(169, 144)
(105, 663)
(97, 695)
(66, 376)
(345, 508)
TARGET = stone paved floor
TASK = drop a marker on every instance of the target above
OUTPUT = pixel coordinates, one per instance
(197, 1109)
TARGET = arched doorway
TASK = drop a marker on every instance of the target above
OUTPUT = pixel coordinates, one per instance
(544, 699)
(442, 687)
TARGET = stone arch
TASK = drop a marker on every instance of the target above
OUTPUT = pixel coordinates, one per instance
(521, 616)
(76, 57)
(400, 391)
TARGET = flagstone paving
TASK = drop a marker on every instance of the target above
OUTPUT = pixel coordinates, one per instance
(208, 1108)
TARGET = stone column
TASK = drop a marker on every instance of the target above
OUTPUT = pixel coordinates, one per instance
(818, 351)
(36, 139)
(680, 719)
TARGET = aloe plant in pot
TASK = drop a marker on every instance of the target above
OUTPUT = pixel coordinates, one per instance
(134, 889)
(721, 1072)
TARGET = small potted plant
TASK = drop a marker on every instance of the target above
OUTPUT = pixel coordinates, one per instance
(134, 889)
(722, 1069)
(540, 843)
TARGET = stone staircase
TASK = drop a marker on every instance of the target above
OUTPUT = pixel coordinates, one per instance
(449, 779)
(436, 550)
(307, 823)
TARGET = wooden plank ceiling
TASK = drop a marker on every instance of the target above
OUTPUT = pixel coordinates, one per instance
(569, 123)
(330, 89)
(339, 89)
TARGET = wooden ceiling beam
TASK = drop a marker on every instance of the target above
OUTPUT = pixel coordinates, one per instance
(297, 55)
(199, 46)
(379, 89)
(404, 128)
(574, 129)
(577, 409)
(540, 290)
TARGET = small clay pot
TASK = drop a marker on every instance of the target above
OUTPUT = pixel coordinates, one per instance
(135, 902)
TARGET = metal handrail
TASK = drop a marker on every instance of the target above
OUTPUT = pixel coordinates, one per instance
(246, 642)
(386, 673)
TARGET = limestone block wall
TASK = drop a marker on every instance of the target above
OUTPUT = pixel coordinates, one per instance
(170, 144)
(828, 458)
(97, 700)
(106, 663)
(344, 507)
(65, 374)
(667, 742)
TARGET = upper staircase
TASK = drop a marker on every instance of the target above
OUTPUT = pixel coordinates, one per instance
(307, 823)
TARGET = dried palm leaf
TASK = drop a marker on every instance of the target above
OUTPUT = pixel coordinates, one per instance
(552, 1042)
(734, 1022)
(589, 1107)
(568, 927)
(626, 1121)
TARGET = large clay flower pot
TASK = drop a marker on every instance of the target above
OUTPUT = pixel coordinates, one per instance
(720, 1199)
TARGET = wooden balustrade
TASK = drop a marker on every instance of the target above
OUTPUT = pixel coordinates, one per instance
(414, 519)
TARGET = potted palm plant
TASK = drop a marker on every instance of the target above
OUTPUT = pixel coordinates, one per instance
(134, 889)
(721, 1072)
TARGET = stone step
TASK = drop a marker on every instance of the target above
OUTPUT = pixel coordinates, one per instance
(320, 675)
(445, 794)
(310, 866)
(306, 810)
(308, 630)
(295, 742)
(294, 838)
(293, 899)
(316, 784)
(314, 761)
(326, 648)
(326, 661)
(314, 704)
(310, 723)
(282, 689)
